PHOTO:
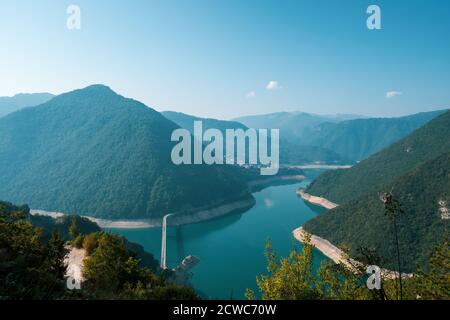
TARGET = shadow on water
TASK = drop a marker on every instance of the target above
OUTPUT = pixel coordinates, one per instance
(201, 229)
(317, 209)
(180, 244)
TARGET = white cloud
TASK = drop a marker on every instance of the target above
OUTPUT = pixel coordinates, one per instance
(392, 94)
(251, 94)
(273, 85)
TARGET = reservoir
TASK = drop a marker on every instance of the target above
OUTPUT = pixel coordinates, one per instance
(231, 248)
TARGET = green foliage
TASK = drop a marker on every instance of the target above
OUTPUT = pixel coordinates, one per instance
(292, 278)
(33, 268)
(337, 282)
(85, 228)
(111, 271)
(359, 138)
(381, 169)
(73, 228)
(56, 253)
(62, 225)
(21, 100)
(90, 243)
(416, 171)
(434, 283)
(78, 241)
(363, 223)
(100, 154)
(30, 268)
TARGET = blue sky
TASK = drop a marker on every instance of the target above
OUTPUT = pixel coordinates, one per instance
(216, 58)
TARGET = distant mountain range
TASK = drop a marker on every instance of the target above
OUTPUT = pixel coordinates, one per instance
(94, 152)
(291, 152)
(416, 170)
(293, 125)
(187, 121)
(22, 100)
(357, 139)
(348, 138)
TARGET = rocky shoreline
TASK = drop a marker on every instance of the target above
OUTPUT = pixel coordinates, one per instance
(176, 219)
(338, 256)
(327, 204)
(197, 215)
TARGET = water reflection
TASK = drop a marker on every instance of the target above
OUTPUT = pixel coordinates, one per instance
(231, 249)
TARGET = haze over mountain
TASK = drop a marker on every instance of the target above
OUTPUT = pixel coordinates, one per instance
(22, 100)
(424, 144)
(350, 138)
(292, 125)
(291, 152)
(357, 139)
(94, 152)
(416, 170)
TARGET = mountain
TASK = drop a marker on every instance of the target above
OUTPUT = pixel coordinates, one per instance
(424, 144)
(360, 138)
(94, 152)
(186, 121)
(416, 170)
(291, 152)
(293, 125)
(363, 223)
(344, 138)
(22, 100)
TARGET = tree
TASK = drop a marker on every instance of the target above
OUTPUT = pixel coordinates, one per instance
(113, 272)
(90, 243)
(393, 209)
(434, 283)
(29, 267)
(338, 282)
(56, 253)
(73, 228)
(289, 278)
(293, 278)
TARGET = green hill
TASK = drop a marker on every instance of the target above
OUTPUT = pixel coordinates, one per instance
(424, 144)
(362, 222)
(358, 139)
(94, 152)
(417, 172)
(22, 100)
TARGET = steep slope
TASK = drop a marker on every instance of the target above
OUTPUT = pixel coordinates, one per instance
(22, 100)
(360, 138)
(96, 153)
(362, 222)
(424, 144)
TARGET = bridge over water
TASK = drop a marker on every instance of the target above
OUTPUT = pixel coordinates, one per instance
(164, 241)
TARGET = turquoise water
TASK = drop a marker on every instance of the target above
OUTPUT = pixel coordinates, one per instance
(231, 249)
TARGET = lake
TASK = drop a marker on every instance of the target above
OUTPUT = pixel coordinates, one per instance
(231, 249)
